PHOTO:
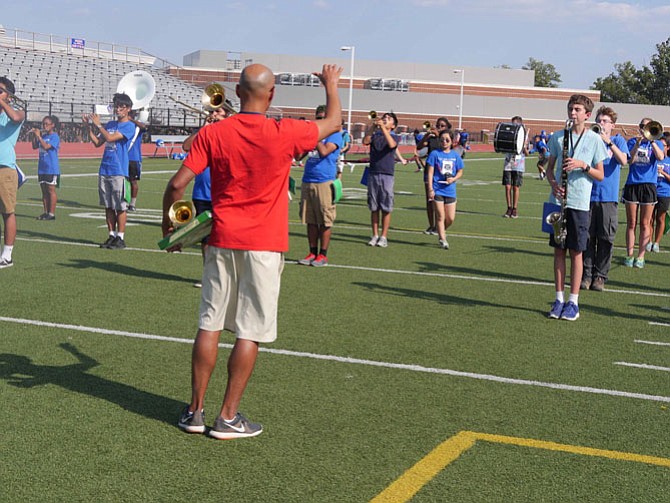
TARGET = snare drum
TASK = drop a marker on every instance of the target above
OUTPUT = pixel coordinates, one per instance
(509, 138)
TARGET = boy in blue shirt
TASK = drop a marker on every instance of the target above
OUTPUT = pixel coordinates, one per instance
(583, 164)
(113, 174)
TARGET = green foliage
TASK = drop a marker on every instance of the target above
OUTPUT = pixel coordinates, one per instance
(545, 73)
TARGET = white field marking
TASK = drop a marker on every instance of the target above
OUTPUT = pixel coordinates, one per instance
(643, 366)
(659, 324)
(358, 361)
(653, 343)
(379, 270)
(80, 175)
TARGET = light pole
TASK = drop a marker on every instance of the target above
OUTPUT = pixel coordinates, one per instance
(351, 82)
(460, 106)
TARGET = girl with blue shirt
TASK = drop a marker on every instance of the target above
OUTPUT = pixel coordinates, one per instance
(663, 200)
(48, 168)
(444, 167)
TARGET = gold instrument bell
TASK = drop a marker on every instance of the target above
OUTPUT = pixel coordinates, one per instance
(181, 212)
(214, 97)
(652, 130)
(372, 115)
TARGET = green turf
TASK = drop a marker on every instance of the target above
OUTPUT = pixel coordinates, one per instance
(91, 416)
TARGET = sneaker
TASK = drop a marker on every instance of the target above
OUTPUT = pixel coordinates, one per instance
(192, 422)
(197, 284)
(514, 215)
(655, 248)
(117, 244)
(47, 216)
(320, 261)
(628, 262)
(107, 243)
(382, 242)
(570, 311)
(638, 263)
(508, 213)
(131, 208)
(307, 260)
(649, 246)
(41, 217)
(444, 244)
(598, 284)
(4, 263)
(373, 241)
(429, 231)
(585, 284)
(556, 310)
(239, 427)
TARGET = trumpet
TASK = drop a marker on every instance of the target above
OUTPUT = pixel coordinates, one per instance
(181, 212)
(652, 130)
(15, 102)
(372, 115)
(426, 125)
(597, 128)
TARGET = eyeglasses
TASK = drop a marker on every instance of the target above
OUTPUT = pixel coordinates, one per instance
(118, 105)
(605, 121)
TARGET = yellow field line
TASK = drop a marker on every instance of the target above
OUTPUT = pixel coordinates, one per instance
(410, 482)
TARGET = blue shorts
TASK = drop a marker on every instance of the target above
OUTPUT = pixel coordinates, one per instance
(380, 192)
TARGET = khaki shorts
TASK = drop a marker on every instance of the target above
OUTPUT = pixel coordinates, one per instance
(240, 293)
(316, 204)
(9, 184)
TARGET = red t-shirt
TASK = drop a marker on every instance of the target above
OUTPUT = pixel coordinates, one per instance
(250, 157)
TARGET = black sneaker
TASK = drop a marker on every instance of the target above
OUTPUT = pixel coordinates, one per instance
(49, 216)
(239, 427)
(107, 243)
(192, 422)
(131, 208)
(41, 217)
(117, 244)
(6, 263)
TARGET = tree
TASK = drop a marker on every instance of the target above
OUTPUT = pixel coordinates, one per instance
(545, 73)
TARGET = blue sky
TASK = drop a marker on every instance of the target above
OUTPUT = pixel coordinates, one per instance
(583, 39)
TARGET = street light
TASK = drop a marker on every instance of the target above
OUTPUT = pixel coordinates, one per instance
(460, 106)
(351, 82)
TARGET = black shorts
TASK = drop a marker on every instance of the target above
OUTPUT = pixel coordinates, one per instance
(663, 205)
(202, 205)
(639, 193)
(445, 199)
(134, 170)
(577, 222)
(514, 178)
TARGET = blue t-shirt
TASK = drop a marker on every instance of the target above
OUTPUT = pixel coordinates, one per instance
(202, 186)
(607, 190)
(464, 136)
(323, 169)
(115, 157)
(445, 165)
(663, 185)
(48, 159)
(135, 150)
(9, 133)
(382, 157)
(642, 168)
(591, 150)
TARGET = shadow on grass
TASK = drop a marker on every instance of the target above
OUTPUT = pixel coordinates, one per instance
(54, 237)
(479, 272)
(19, 371)
(124, 269)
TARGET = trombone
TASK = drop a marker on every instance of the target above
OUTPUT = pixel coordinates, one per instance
(652, 130)
(213, 98)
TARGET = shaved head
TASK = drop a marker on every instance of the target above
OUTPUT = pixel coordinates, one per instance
(256, 84)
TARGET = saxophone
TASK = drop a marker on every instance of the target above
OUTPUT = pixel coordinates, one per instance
(557, 219)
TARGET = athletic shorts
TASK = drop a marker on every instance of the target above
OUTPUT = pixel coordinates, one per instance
(9, 184)
(542, 160)
(240, 292)
(112, 192)
(577, 222)
(316, 204)
(445, 199)
(134, 170)
(640, 193)
(514, 178)
(380, 192)
(663, 205)
(49, 179)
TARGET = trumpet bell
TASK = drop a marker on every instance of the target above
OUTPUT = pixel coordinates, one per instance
(213, 97)
(140, 86)
(426, 125)
(372, 115)
(652, 130)
(181, 212)
(596, 128)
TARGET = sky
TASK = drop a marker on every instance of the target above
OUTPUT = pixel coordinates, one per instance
(583, 39)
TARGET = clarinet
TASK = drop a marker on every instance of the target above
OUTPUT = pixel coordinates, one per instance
(563, 227)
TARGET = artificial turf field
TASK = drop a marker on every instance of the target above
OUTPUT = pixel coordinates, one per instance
(405, 373)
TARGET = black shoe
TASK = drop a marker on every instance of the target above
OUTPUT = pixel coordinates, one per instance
(117, 244)
(108, 243)
(49, 217)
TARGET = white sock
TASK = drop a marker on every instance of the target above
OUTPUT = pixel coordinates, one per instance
(133, 201)
(574, 298)
(559, 297)
(121, 234)
(7, 253)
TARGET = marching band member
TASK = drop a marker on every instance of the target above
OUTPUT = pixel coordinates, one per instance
(513, 169)
(430, 141)
(48, 168)
(662, 198)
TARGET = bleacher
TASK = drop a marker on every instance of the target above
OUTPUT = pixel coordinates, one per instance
(54, 81)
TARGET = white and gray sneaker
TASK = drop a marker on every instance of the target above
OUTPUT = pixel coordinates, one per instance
(444, 244)
(239, 427)
(383, 242)
(373, 241)
(4, 263)
(192, 422)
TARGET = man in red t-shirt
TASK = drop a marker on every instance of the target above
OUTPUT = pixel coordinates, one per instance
(250, 159)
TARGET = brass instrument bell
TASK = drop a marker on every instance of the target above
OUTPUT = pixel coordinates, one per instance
(181, 212)
(426, 125)
(597, 128)
(372, 115)
(652, 130)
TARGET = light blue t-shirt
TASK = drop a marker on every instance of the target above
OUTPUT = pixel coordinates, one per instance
(445, 165)
(115, 157)
(607, 191)
(48, 159)
(9, 134)
(323, 169)
(591, 150)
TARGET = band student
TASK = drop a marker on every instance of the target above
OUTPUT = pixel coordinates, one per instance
(604, 204)
(249, 157)
(513, 169)
(135, 159)
(48, 168)
(429, 142)
(578, 160)
(662, 199)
